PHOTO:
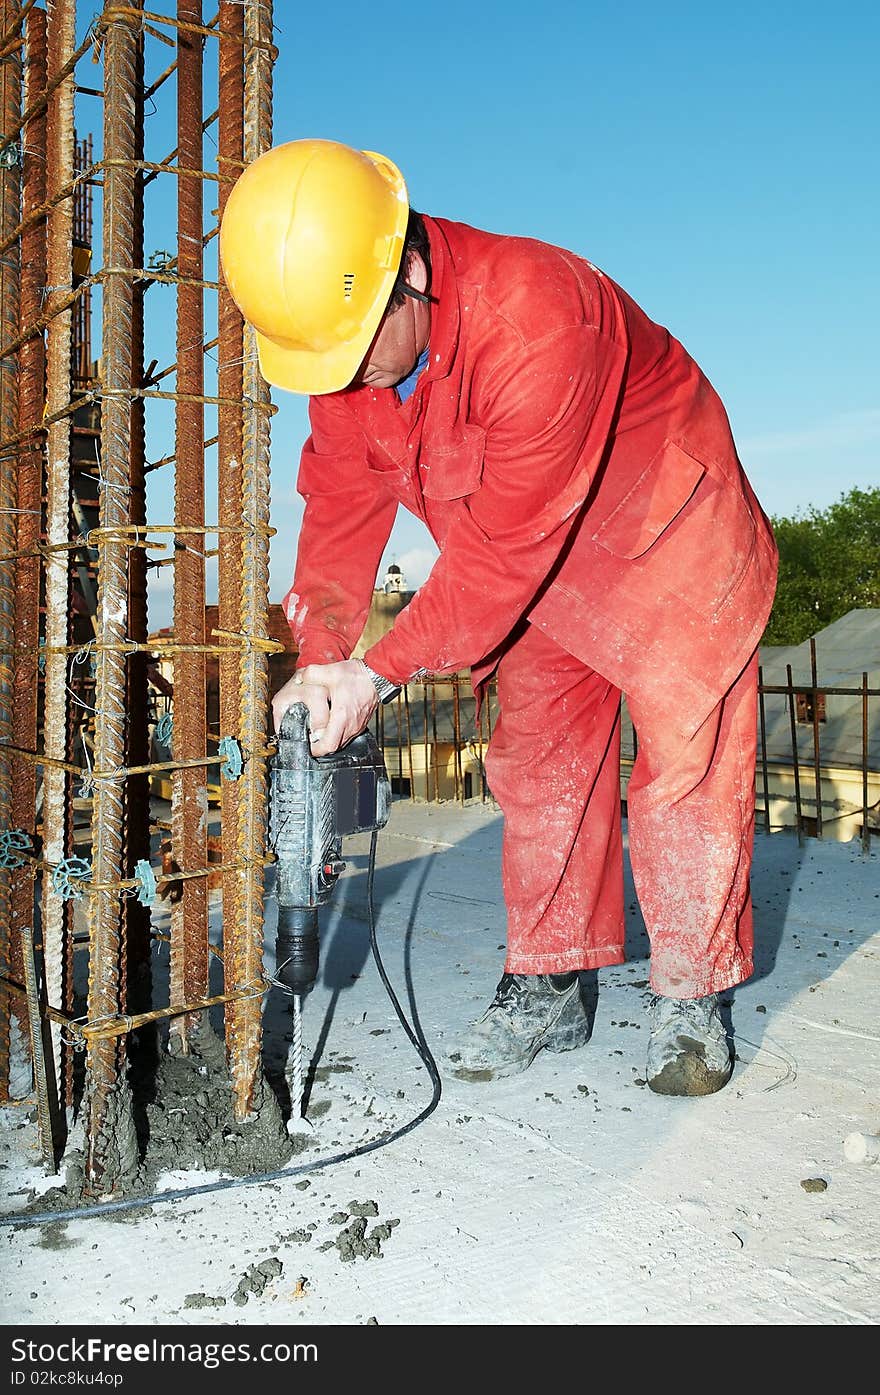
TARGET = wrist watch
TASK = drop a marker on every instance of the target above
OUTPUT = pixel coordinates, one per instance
(385, 689)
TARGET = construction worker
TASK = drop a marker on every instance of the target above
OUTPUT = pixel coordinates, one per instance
(596, 535)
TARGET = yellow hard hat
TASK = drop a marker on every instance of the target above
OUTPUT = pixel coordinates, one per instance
(310, 246)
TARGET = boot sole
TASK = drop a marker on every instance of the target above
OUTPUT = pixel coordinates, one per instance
(565, 1039)
(689, 1076)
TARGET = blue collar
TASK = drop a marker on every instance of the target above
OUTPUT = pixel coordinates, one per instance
(407, 386)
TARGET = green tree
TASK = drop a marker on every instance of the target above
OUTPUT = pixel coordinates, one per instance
(829, 563)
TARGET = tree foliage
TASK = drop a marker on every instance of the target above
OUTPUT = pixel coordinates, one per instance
(829, 563)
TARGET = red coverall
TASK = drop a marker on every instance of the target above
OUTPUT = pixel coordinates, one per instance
(597, 535)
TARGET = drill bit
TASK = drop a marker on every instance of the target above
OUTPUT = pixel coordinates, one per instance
(297, 1123)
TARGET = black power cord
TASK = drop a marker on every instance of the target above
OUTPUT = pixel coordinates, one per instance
(416, 1036)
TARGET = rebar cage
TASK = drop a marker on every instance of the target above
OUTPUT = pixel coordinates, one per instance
(81, 556)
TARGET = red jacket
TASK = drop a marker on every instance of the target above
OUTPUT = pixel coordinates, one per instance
(575, 468)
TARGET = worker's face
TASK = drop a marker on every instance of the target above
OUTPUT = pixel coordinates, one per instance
(401, 337)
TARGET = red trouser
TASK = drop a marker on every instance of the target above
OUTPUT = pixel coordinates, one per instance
(553, 766)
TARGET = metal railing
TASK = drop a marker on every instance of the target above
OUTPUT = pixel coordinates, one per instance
(818, 769)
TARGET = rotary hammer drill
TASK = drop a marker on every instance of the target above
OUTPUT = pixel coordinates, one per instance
(316, 801)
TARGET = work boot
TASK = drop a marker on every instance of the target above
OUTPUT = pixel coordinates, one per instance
(688, 1050)
(528, 1012)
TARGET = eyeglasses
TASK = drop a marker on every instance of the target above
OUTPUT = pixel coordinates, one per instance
(414, 294)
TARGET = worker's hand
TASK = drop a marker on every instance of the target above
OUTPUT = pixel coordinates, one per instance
(315, 696)
(340, 697)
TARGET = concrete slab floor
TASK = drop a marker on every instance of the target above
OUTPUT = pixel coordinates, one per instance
(569, 1195)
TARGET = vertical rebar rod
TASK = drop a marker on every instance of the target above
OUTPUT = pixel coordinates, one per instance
(110, 1143)
(56, 815)
(230, 130)
(10, 200)
(82, 237)
(817, 770)
(137, 809)
(409, 750)
(794, 756)
(247, 958)
(456, 740)
(866, 832)
(31, 400)
(425, 740)
(484, 747)
(478, 723)
(189, 800)
(38, 1055)
(492, 682)
(763, 722)
(399, 740)
(80, 680)
(435, 756)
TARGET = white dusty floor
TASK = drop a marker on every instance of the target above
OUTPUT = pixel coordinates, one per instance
(568, 1195)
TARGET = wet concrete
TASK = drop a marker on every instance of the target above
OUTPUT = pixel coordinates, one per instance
(183, 1116)
(191, 1121)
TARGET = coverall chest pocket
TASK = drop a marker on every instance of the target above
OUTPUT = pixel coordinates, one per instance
(695, 542)
(394, 473)
(453, 471)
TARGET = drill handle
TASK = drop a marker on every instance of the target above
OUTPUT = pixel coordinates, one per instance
(293, 737)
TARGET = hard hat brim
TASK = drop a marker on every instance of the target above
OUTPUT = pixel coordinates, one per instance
(298, 370)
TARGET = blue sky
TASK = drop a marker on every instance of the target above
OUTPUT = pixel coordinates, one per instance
(720, 162)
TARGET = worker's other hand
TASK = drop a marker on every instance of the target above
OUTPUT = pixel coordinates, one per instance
(340, 698)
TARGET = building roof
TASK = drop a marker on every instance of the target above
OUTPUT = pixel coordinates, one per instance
(846, 651)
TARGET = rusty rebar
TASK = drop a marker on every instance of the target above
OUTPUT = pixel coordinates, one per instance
(10, 198)
(41, 1067)
(425, 740)
(479, 705)
(61, 193)
(409, 750)
(57, 77)
(30, 463)
(435, 757)
(247, 954)
(10, 37)
(817, 764)
(189, 797)
(866, 831)
(137, 808)
(122, 771)
(230, 154)
(456, 739)
(792, 717)
(56, 915)
(110, 1141)
(78, 1031)
(762, 720)
(123, 1025)
(82, 240)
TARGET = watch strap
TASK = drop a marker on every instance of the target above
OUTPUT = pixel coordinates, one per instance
(385, 689)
